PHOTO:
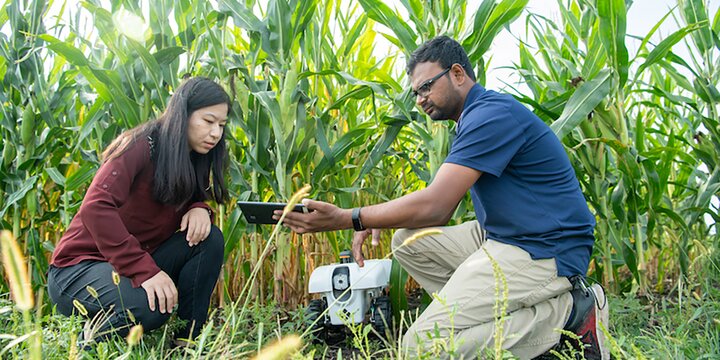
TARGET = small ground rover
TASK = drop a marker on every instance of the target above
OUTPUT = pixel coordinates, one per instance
(353, 294)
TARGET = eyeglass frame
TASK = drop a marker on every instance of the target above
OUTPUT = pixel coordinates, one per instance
(428, 84)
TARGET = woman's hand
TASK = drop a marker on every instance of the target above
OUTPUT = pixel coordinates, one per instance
(162, 288)
(198, 225)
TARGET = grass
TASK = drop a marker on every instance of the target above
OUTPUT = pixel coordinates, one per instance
(662, 328)
(646, 156)
(681, 323)
(643, 328)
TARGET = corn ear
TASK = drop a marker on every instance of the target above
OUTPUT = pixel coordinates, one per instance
(31, 202)
(27, 127)
(8, 154)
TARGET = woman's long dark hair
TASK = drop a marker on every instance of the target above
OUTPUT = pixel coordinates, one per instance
(181, 175)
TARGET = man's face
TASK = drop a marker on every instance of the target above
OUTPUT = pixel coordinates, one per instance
(436, 93)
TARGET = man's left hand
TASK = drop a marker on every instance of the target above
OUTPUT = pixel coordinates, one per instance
(358, 240)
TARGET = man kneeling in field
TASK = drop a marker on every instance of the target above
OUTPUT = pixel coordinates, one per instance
(532, 220)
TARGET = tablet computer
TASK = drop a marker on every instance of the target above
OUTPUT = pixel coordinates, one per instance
(262, 212)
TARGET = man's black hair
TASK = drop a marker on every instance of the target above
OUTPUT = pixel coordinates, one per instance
(443, 50)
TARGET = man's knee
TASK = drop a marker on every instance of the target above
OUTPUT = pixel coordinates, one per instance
(410, 344)
(402, 252)
(399, 237)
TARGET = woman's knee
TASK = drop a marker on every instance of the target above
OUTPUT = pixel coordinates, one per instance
(56, 298)
(215, 242)
(149, 320)
(63, 304)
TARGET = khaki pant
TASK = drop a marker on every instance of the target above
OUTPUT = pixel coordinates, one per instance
(454, 265)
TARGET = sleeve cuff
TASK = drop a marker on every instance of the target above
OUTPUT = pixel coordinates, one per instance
(148, 271)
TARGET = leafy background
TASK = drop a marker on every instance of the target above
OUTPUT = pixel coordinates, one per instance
(316, 104)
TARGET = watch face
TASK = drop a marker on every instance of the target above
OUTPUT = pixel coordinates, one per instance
(340, 281)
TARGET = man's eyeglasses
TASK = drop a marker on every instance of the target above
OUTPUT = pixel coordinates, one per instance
(424, 89)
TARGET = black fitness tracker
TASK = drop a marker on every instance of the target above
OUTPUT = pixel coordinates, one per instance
(357, 224)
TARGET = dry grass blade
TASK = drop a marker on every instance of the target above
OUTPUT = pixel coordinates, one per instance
(421, 234)
(135, 334)
(281, 349)
(16, 270)
(80, 307)
(296, 198)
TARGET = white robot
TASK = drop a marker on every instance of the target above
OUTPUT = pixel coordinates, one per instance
(352, 293)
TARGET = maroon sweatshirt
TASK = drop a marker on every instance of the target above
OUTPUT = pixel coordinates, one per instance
(119, 221)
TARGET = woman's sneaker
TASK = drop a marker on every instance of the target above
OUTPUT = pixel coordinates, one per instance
(590, 309)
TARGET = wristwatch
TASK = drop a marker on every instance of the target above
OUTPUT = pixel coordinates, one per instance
(357, 223)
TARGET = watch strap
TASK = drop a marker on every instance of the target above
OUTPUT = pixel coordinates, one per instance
(357, 223)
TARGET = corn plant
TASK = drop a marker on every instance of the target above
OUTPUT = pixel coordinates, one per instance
(643, 185)
(317, 102)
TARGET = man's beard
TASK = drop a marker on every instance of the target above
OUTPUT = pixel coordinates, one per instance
(447, 110)
(439, 113)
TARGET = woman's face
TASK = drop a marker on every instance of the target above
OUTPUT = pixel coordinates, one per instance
(205, 127)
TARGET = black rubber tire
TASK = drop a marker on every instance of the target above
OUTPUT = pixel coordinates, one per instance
(314, 311)
(381, 315)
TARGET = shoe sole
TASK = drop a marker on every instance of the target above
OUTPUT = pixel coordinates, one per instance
(604, 318)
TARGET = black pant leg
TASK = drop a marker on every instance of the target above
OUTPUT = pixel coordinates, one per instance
(113, 302)
(195, 271)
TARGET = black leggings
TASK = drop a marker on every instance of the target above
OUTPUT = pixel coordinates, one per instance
(194, 270)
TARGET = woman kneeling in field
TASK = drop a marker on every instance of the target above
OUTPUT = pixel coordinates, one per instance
(145, 219)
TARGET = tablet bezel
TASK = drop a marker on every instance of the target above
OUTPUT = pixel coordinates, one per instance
(256, 212)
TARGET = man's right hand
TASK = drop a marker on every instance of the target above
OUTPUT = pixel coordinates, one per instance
(359, 239)
(162, 288)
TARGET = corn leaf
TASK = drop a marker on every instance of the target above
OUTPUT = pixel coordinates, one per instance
(612, 29)
(378, 11)
(80, 177)
(694, 12)
(242, 16)
(378, 151)
(489, 20)
(18, 194)
(665, 46)
(582, 102)
(168, 55)
(67, 51)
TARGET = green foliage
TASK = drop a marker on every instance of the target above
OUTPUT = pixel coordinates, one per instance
(313, 103)
(637, 147)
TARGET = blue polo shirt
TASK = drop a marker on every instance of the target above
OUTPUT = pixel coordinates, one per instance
(528, 195)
